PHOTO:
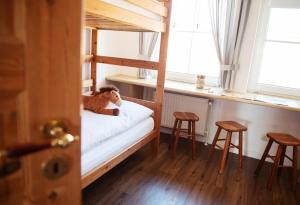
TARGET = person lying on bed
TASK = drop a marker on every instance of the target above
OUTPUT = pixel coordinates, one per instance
(99, 100)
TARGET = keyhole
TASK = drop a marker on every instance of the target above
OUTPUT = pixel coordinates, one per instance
(55, 168)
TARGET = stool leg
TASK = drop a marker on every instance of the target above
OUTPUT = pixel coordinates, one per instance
(263, 158)
(275, 166)
(193, 140)
(225, 152)
(177, 136)
(241, 149)
(189, 129)
(294, 178)
(281, 160)
(173, 134)
(212, 148)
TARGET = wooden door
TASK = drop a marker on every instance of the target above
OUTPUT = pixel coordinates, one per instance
(40, 80)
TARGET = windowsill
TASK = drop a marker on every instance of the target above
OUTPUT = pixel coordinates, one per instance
(213, 92)
(190, 78)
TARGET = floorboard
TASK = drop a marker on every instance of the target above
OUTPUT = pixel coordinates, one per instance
(165, 180)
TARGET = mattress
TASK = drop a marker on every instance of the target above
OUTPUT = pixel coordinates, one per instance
(97, 128)
(114, 145)
(131, 7)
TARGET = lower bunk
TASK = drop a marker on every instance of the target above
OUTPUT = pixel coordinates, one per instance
(115, 139)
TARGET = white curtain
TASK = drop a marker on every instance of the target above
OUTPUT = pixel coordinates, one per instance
(228, 19)
(146, 48)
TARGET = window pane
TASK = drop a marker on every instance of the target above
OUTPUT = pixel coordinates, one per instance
(191, 49)
(179, 51)
(203, 17)
(204, 58)
(284, 24)
(280, 65)
(183, 15)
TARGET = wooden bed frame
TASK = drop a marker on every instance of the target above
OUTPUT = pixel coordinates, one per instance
(104, 16)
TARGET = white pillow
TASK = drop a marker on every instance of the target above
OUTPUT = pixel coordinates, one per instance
(132, 111)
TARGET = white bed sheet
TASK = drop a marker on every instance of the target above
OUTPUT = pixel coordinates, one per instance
(112, 147)
(96, 128)
(131, 7)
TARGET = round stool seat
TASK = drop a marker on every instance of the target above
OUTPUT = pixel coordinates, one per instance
(186, 116)
(285, 139)
(231, 126)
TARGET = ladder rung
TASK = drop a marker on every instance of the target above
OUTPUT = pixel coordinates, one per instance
(127, 62)
(274, 157)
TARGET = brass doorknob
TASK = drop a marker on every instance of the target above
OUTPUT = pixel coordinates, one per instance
(56, 130)
(59, 131)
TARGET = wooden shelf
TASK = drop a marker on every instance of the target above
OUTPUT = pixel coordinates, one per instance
(213, 93)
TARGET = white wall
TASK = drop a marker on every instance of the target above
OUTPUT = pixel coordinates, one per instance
(116, 44)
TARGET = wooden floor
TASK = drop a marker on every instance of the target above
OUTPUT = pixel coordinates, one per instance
(144, 180)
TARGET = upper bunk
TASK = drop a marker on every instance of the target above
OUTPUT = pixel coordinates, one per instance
(126, 15)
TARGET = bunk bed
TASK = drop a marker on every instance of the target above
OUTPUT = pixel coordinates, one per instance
(125, 15)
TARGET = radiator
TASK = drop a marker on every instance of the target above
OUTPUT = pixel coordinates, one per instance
(180, 103)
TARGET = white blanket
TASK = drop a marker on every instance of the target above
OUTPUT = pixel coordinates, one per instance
(114, 146)
(96, 128)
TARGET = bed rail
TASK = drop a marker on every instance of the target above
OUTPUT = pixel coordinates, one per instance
(127, 62)
(150, 104)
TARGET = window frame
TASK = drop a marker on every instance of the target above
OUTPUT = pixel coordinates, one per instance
(188, 77)
(261, 33)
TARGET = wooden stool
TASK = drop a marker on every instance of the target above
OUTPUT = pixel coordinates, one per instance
(230, 127)
(191, 118)
(283, 141)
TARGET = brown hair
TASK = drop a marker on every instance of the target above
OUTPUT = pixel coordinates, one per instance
(106, 89)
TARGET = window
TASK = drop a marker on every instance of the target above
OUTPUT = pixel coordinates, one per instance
(276, 67)
(191, 48)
